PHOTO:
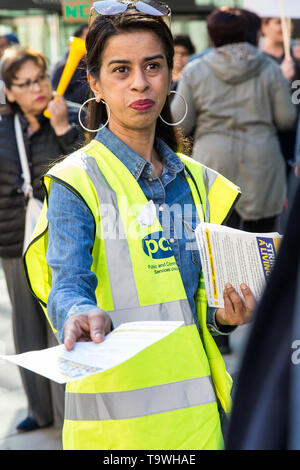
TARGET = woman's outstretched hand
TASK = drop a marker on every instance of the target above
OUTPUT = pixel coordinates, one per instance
(87, 326)
(236, 311)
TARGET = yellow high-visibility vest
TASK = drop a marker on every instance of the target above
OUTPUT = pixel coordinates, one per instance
(167, 396)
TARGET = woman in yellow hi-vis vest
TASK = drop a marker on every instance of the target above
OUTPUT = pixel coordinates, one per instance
(115, 243)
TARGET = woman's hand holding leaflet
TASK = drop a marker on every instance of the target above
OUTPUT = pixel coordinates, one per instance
(87, 326)
(236, 311)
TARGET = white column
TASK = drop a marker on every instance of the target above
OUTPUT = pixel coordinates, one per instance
(54, 52)
(31, 32)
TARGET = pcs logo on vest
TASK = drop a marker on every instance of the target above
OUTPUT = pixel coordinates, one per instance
(156, 246)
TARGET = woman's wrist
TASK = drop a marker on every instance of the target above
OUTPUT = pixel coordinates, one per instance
(62, 129)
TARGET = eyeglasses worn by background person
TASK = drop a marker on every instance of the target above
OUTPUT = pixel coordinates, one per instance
(28, 86)
(114, 7)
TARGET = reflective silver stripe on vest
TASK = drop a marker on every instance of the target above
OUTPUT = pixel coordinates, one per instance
(178, 310)
(117, 251)
(209, 177)
(119, 264)
(137, 403)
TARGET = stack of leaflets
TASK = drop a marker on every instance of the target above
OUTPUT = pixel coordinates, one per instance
(233, 256)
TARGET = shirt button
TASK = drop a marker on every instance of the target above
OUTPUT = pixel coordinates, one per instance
(172, 240)
(150, 179)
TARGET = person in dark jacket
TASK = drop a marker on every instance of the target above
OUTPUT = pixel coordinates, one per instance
(78, 89)
(28, 93)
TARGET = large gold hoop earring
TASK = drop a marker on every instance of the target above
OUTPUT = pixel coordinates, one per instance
(185, 114)
(79, 115)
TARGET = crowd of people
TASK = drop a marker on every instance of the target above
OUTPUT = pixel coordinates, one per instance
(239, 121)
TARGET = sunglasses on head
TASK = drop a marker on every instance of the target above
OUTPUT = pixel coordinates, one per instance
(114, 7)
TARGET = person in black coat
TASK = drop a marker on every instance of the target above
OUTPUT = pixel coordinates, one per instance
(28, 92)
(78, 89)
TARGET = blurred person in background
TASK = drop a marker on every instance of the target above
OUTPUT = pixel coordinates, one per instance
(28, 93)
(272, 44)
(237, 97)
(183, 49)
(6, 41)
(78, 89)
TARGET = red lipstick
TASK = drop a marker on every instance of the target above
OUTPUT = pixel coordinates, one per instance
(142, 105)
(39, 99)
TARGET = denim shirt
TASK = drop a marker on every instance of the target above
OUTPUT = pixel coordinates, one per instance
(71, 232)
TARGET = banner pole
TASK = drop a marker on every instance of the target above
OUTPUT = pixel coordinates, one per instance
(286, 29)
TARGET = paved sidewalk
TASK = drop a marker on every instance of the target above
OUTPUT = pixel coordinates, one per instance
(13, 403)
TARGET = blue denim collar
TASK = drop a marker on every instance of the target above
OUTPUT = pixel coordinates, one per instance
(136, 164)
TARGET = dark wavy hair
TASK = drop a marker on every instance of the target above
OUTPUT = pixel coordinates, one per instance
(254, 23)
(100, 31)
(227, 26)
(185, 41)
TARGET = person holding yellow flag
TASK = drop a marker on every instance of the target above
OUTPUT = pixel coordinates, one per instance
(28, 93)
(116, 243)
